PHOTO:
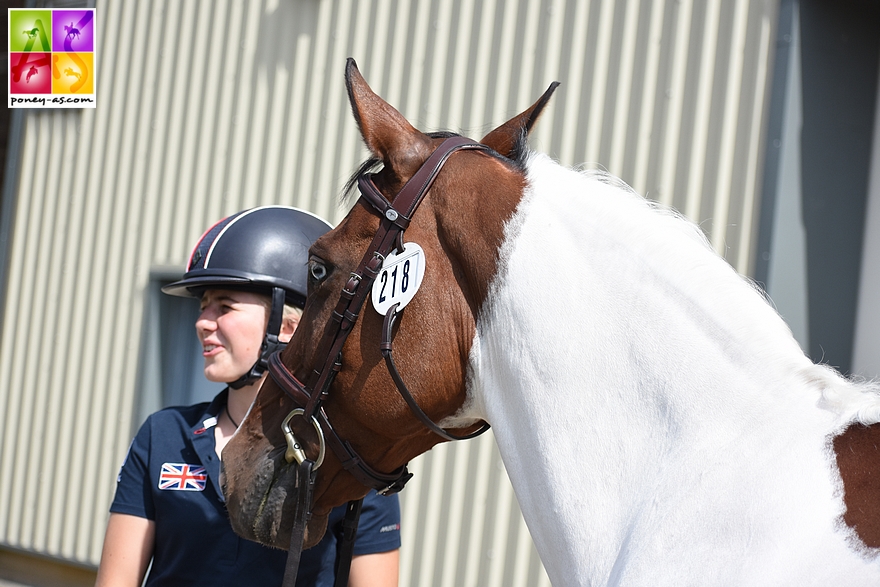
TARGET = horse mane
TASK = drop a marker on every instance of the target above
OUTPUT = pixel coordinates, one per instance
(696, 270)
(371, 165)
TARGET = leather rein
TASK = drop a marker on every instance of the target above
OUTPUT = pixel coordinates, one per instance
(395, 217)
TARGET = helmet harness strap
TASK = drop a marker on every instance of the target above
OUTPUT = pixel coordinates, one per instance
(271, 342)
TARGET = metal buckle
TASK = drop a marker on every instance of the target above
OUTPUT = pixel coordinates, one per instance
(294, 448)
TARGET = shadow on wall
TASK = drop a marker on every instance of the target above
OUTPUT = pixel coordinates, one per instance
(840, 44)
(286, 30)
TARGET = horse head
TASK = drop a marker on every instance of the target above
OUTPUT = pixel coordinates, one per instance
(459, 227)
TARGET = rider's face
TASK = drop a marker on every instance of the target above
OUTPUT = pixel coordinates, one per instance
(231, 328)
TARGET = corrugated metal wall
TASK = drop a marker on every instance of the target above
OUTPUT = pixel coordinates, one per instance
(207, 107)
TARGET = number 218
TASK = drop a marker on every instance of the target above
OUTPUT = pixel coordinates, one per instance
(404, 281)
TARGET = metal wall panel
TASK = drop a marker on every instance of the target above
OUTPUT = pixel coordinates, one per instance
(207, 107)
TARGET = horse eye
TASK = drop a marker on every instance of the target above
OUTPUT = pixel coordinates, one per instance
(317, 270)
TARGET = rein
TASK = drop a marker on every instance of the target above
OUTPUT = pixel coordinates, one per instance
(394, 219)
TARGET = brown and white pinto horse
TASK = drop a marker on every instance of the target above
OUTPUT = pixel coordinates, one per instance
(659, 424)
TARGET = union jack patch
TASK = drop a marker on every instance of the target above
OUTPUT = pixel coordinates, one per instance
(182, 477)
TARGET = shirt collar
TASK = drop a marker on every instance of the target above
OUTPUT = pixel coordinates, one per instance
(212, 412)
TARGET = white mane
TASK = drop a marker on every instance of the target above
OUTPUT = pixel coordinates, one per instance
(701, 274)
(658, 421)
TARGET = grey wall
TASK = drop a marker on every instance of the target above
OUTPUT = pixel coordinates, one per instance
(208, 107)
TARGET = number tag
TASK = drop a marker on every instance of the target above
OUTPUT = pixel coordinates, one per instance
(399, 279)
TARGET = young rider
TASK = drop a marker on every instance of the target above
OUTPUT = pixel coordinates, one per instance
(169, 515)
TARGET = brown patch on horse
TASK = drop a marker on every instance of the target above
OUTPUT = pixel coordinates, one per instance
(858, 459)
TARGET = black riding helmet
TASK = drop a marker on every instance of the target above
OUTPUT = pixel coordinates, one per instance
(265, 250)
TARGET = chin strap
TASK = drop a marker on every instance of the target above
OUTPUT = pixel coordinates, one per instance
(271, 343)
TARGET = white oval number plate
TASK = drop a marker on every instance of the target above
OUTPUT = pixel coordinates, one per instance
(400, 278)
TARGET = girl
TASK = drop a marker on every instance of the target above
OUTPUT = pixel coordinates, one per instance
(249, 273)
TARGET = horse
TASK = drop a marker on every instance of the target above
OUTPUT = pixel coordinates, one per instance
(72, 32)
(658, 421)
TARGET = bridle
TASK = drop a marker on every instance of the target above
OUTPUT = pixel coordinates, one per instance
(394, 217)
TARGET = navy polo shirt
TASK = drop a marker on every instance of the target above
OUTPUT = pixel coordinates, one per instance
(378, 531)
(171, 475)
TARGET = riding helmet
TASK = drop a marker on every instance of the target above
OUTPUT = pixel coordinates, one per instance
(256, 249)
(265, 250)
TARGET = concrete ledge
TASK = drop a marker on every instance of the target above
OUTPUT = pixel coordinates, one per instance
(19, 568)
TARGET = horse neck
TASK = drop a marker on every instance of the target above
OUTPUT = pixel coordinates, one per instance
(613, 342)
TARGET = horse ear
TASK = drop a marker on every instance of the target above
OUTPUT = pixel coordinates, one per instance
(387, 134)
(505, 138)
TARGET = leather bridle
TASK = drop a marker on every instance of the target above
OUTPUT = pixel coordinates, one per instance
(394, 217)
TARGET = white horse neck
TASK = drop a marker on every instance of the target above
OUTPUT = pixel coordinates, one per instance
(657, 420)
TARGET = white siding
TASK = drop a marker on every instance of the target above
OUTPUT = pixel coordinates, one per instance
(208, 107)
